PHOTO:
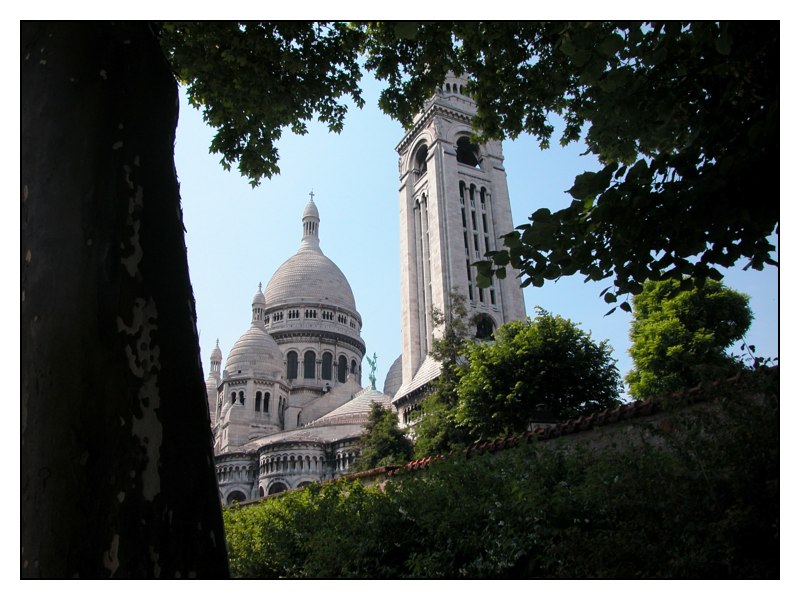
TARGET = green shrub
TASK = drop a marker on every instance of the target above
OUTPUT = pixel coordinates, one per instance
(700, 500)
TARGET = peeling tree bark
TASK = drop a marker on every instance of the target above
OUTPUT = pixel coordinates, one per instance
(117, 474)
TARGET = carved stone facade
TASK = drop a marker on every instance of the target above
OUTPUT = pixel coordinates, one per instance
(454, 207)
(288, 408)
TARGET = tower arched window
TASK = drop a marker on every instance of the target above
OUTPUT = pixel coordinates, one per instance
(484, 326)
(291, 365)
(421, 159)
(266, 402)
(353, 367)
(327, 366)
(467, 153)
(310, 365)
(233, 397)
(241, 398)
(258, 402)
(341, 369)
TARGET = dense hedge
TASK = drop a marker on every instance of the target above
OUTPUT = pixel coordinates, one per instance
(700, 500)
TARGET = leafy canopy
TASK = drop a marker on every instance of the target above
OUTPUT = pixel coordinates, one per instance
(679, 338)
(252, 80)
(383, 444)
(683, 117)
(545, 364)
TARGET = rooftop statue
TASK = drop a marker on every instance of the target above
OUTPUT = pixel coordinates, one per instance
(372, 365)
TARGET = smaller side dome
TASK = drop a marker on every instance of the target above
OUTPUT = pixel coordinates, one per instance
(394, 378)
(255, 353)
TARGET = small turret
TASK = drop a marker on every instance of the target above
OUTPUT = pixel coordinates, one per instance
(216, 360)
(310, 224)
(259, 307)
(212, 384)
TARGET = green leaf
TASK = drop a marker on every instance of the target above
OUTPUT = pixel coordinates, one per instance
(483, 281)
(500, 258)
(542, 214)
(589, 184)
(612, 44)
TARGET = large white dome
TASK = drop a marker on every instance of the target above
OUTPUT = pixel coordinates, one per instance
(255, 353)
(309, 276)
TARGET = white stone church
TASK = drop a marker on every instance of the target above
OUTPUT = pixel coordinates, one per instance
(288, 407)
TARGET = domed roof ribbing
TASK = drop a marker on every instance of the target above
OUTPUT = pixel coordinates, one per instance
(309, 275)
(394, 378)
(255, 352)
(356, 410)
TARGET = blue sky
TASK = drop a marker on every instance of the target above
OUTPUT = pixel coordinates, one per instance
(238, 236)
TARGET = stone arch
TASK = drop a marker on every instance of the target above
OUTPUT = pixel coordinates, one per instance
(484, 326)
(277, 487)
(235, 496)
(310, 365)
(467, 153)
(327, 366)
(341, 369)
(409, 160)
(420, 159)
(291, 365)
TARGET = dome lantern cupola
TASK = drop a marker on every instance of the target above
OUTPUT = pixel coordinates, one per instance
(259, 307)
(216, 359)
(310, 224)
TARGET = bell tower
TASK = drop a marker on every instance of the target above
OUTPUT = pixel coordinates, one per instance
(454, 206)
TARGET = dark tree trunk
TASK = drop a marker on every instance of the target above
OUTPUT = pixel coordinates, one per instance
(117, 476)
